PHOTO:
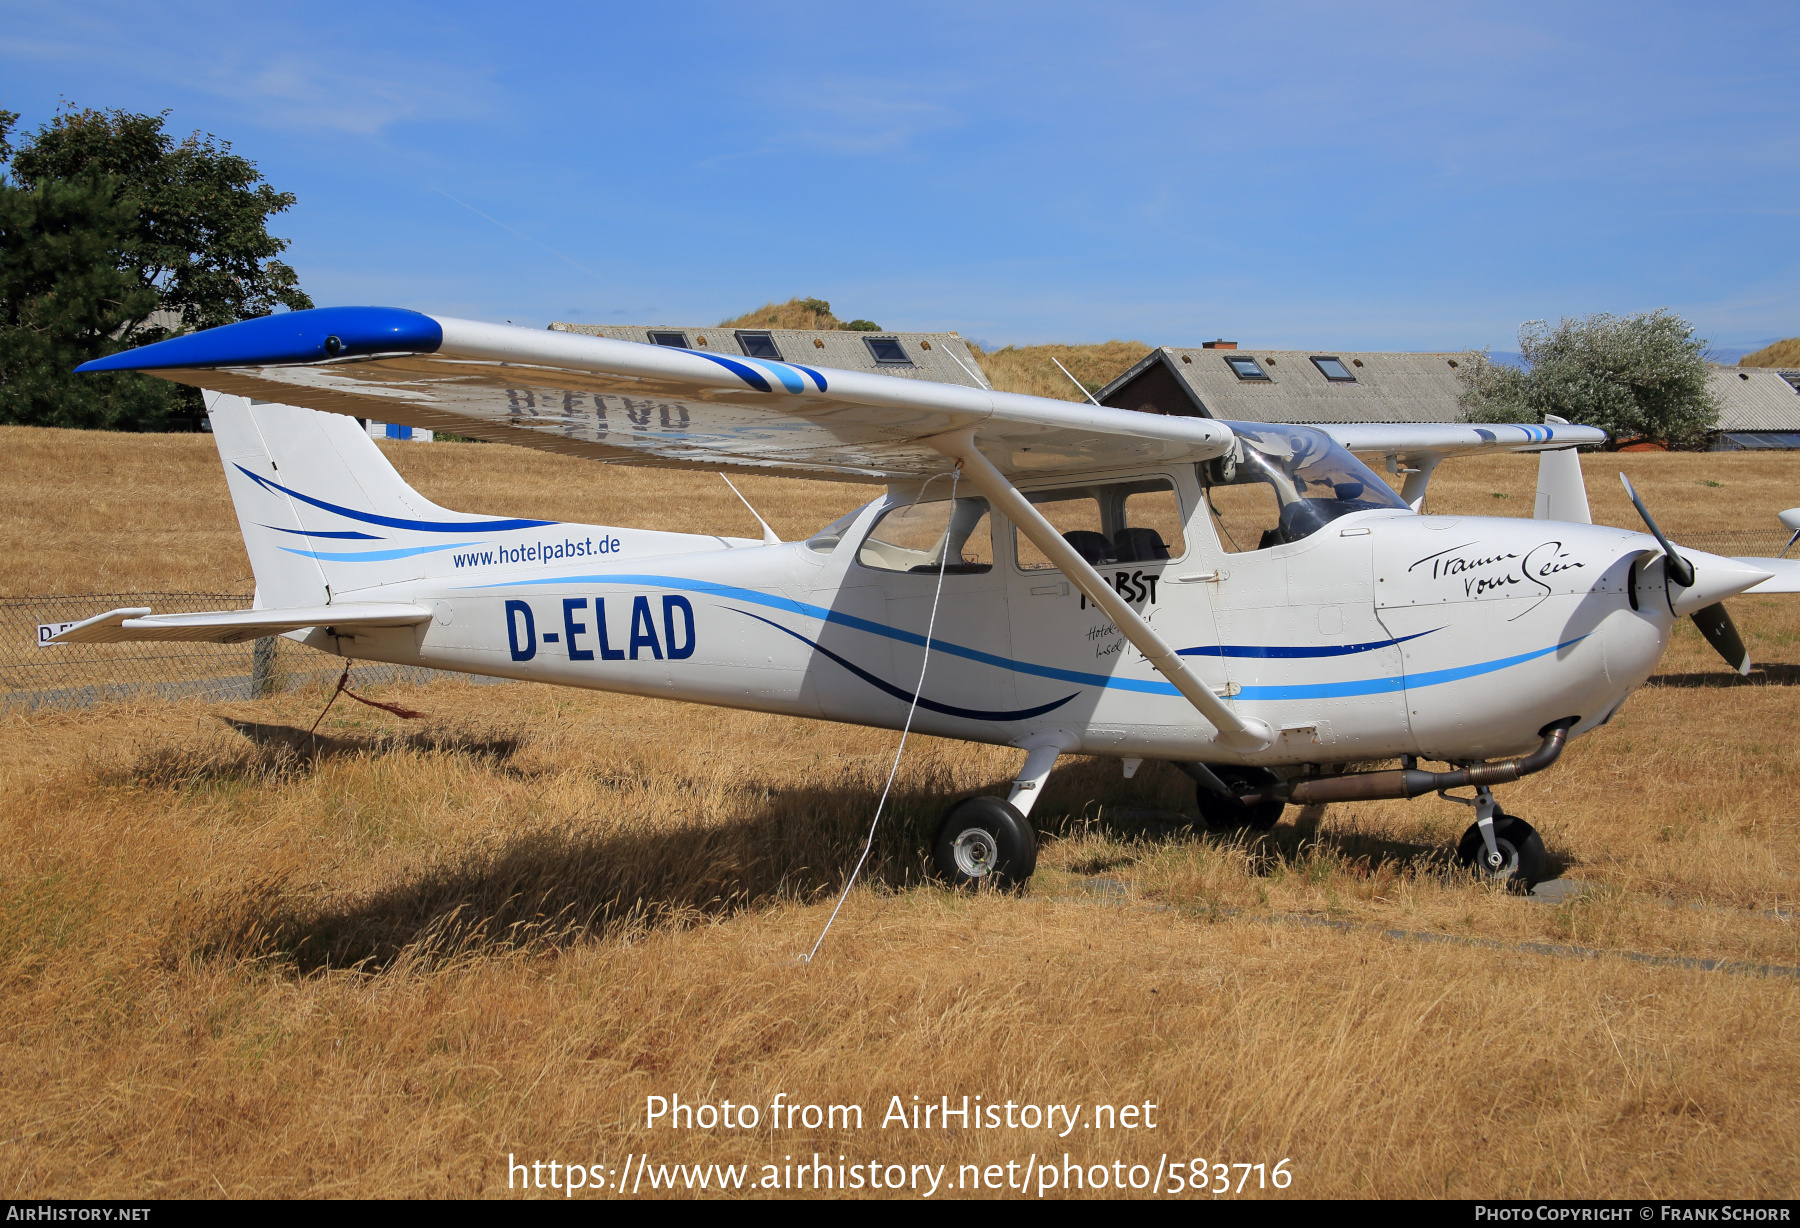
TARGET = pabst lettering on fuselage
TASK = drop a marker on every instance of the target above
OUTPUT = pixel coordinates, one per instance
(611, 628)
(1133, 586)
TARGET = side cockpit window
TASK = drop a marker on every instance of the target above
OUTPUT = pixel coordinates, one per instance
(922, 537)
(1123, 522)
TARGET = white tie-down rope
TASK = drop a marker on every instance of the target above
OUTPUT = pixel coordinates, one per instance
(955, 476)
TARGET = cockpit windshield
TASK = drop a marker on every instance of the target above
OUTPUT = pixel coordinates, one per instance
(1280, 484)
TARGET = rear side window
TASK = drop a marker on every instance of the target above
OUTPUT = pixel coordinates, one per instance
(921, 537)
(826, 539)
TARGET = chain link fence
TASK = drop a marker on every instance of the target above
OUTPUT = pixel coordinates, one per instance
(33, 675)
(1758, 543)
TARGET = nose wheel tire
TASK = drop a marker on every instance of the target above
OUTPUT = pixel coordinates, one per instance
(1223, 815)
(985, 842)
(1523, 861)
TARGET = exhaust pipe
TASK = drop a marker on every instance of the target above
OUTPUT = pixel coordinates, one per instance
(1402, 782)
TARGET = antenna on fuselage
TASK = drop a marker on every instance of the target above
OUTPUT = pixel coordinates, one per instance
(769, 538)
(1076, 382)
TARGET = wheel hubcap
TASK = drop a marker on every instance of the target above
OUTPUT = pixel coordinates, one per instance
(975, 851)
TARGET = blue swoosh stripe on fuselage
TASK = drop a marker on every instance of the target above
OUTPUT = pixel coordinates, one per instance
(1319, 690)
(906, 697)
(1279, 652)
(373, 556)
(367, 537)
(789, 606)
(1397, 684)
(394, 522)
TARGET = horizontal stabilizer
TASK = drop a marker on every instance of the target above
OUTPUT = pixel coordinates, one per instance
(137, 623)
(1785, 580)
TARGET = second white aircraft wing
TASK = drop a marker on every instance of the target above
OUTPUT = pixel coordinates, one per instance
(1457, 438)
(631, 403)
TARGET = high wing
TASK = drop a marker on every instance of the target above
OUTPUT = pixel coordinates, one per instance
(1444, 439)
(626, 402)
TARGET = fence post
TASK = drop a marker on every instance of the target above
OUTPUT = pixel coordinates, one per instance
(262, 668)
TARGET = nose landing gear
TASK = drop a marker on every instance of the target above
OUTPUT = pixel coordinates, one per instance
(1500, 846)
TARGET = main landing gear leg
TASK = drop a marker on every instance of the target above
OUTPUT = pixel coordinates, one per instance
(1030, 780)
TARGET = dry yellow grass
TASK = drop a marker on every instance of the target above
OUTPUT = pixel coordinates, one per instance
(227, 964)
(1028, 369)
(1781, 354)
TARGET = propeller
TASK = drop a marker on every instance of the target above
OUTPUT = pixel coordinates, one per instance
(1714, 621)
(1679, 569)
(1715, 624)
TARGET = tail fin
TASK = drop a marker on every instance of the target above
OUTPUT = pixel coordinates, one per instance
(1561, 492)
(322, 511)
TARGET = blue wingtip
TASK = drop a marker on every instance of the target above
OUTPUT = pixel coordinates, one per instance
(293, 337)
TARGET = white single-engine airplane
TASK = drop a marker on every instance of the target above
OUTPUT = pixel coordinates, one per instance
(1247, 601)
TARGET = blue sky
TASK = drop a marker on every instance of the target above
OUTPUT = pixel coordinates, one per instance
(1369, 176)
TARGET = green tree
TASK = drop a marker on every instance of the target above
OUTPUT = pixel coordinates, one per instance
(64, 298)
(1638, 377)
(203, 211)
(114, 235)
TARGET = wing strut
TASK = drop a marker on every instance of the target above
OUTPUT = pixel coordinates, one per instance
(1238, 733)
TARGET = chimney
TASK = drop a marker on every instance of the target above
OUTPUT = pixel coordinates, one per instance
(1218, 345)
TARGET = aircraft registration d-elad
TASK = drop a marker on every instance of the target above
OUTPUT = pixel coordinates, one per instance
(1247, 601)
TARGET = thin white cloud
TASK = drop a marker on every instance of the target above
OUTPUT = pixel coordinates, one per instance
(278, 75)
(325, 89)
(863, 116)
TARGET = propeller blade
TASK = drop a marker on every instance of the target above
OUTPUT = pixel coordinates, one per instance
(1715, 624)
(1680, 570)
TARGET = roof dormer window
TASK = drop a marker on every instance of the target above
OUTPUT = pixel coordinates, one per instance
(1246, 368)
(758, 345)
(887, 351)
(674, 340)
(1333, 369)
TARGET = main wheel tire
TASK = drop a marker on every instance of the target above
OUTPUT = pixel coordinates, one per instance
(1228, 815)
(985, 841)
(1523, 861)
